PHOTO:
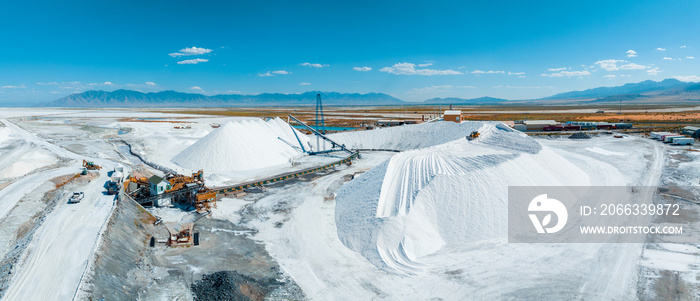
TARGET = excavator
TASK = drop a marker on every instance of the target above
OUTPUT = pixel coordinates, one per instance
(91, 165)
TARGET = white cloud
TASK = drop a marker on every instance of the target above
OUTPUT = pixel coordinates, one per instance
(304, 84)
(684, 46)
(363, 69)
(410, 69)
(567, 74)
(625, 75)
(191, 51)
(654, 71)
(150, 84)
(661, 49)
(609, 65)
(197, 89)
(487, 72)
(516, 73)
(689, 78)
(273, 73)
(316, 65)
(13, 87)
(556, 69)
(633, 66)
(425, 65)
(100, 84)
(192, 62)
(47, 84)
(690, 57)
(610, 76)
(668, 58)
(631, 53)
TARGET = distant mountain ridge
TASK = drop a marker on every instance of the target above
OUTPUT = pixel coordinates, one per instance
(662, 92)
(462, 101)
(631, 88)
(129, 98)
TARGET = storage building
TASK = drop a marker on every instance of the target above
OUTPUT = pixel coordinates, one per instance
(453, 115)
(692, 131)
(156, 185)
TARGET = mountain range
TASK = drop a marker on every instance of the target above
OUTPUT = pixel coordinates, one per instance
(667, 91)
(129, 98)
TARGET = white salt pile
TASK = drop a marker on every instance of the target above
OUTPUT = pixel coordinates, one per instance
(449, 194)
(405, 137)
(243, 145)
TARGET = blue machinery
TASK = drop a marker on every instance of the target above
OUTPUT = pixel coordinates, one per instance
(334, 146)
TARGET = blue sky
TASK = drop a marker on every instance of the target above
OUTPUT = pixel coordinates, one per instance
(413, 50)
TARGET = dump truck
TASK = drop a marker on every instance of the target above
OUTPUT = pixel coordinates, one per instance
(113, 187)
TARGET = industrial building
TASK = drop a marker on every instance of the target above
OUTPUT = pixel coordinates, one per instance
(157, 185)
(453, 115)
(692, 131)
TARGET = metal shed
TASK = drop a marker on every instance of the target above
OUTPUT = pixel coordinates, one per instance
(692, 131)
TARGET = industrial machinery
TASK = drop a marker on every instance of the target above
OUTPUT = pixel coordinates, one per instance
(91, 165)
(185, 236)
(178, 181)
(206, 199)
(473, 135)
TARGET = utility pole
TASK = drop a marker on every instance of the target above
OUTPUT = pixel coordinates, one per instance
(320, 122)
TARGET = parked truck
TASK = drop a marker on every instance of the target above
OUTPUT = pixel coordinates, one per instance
(684, 141)
(76, 197)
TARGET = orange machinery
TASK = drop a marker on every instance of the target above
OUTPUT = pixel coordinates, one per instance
(91, 165)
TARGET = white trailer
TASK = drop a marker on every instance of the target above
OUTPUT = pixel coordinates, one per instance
(684, 141)
(658, 135)
(669, 138)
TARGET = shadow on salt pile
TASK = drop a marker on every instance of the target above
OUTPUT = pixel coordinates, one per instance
(424, 199)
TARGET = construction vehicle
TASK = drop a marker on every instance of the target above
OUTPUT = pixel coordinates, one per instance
(185, 236)
(112, 187)
(91, 165)
(473, 135)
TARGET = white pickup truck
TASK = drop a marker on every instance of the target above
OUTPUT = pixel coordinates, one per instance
(76, 197)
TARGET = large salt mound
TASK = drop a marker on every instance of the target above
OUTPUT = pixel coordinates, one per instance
(243, 145)
(453, 193)
(423, 135)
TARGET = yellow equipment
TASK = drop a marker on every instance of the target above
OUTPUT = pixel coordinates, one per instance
(178, 182)
(90, 165)
(205, 201)
(473, 135)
